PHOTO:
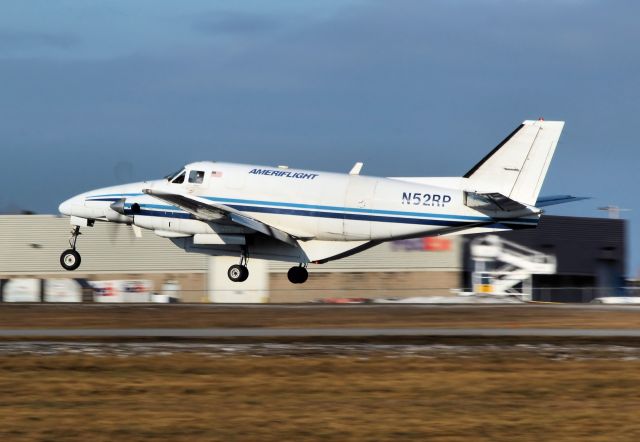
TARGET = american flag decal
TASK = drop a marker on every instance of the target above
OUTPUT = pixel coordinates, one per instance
(216, 174)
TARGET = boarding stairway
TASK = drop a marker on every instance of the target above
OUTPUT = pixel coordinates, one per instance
(505, 268)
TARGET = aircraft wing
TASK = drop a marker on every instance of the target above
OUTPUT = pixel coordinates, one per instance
(206, 210)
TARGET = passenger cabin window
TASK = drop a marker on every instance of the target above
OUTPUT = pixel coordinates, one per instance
(196, 176)
(179, 179)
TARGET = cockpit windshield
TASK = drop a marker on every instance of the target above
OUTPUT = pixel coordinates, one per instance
(173, 175)
(179, 179)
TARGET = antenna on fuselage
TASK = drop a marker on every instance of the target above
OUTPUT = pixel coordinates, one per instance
(355, 170)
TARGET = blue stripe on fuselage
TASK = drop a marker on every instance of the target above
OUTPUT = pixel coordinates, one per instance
(229, 201)
(145, 210)
(353, 216)
(161, 213)
(296, 209)
(112, 200)
(345, 209)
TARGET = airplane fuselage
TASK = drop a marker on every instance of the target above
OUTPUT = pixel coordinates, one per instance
(308, 204)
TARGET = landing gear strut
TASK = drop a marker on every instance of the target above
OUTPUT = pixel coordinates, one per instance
(70, 258)
(239, 272)
(298, 275)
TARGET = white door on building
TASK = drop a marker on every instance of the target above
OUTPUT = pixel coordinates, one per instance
(221, 289)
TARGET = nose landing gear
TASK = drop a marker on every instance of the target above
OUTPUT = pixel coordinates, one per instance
(70, 258)
(298, 275)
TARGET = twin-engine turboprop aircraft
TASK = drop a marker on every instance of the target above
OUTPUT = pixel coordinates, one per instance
(303, 216)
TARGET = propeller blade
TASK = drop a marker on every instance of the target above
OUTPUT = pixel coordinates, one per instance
(114, 232)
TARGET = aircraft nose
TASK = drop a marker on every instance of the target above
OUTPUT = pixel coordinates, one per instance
(66, 207)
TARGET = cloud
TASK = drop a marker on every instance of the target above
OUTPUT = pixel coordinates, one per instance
(235, 23)
(409, 87)
(15, 39)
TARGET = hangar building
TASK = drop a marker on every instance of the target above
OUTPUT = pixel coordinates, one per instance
(590, 254)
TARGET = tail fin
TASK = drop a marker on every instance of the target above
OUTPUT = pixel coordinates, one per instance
(517, 166)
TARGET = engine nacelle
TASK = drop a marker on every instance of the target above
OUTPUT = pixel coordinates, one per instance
(118, 206)
(120, 213)
(123, 208)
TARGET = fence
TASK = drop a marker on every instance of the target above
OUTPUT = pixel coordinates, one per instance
(52, 290)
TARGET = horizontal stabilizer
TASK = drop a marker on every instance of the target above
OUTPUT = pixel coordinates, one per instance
(494, 202)
(558, 199)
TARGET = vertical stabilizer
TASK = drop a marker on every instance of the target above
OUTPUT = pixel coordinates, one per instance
(517, 166)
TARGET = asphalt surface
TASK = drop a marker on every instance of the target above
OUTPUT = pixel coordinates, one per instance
(314, 332)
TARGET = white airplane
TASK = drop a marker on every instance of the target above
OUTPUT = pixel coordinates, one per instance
(304, 217)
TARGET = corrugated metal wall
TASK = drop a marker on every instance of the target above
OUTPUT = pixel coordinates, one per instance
(32, 244)
(389, 257)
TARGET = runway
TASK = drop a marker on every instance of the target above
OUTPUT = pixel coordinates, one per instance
(315, 332)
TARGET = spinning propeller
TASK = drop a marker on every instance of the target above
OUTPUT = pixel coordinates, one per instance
(123, 173)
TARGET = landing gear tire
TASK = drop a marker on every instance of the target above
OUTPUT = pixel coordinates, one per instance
(297, 275)
(238, 273)
(70, 259)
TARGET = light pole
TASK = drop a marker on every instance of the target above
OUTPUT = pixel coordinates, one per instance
(613, 211)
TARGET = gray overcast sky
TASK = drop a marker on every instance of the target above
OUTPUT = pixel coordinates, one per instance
(96, 92)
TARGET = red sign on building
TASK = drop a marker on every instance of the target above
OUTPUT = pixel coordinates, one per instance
(436, 244)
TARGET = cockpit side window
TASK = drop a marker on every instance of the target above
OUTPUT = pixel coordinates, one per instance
(179, 179)
(196, 176)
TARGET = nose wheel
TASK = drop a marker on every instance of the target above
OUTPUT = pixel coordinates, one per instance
(298, 275)
(70, 258)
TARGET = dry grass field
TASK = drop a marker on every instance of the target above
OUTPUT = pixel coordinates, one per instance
(318, 316)
(518, 395)
(395, 389)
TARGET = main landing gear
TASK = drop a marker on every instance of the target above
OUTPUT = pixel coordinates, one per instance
(298, 275)
(70, 258)
(239, 272)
